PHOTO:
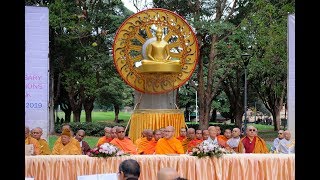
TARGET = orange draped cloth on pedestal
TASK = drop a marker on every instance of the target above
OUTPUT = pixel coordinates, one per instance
(155, 119)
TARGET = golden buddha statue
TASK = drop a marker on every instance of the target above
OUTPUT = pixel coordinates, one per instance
(158, 57)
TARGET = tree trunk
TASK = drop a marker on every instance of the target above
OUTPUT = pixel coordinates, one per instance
(276, 118)
(75, 98)
(213, 116)
(77, 115)
(116, 112)
(238, 117)
(67, 115)
(51, 104)
(88, 107)
(67, 112)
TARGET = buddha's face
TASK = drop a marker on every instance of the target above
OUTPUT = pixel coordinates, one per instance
(159, 33)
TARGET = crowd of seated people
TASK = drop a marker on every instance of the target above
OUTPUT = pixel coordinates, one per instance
(161, 141)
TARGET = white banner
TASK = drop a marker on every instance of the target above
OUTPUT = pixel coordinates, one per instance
(291, 75)
(37, 68)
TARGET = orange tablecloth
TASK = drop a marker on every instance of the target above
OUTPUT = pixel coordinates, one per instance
(230, 166)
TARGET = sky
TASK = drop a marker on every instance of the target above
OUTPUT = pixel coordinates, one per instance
(129, 4)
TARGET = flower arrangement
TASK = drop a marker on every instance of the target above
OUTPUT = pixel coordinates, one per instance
(208, 149)
(105, 150)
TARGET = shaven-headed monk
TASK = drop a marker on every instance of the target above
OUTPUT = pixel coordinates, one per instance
(143, 135)
(106, 138)
(114, 132)
(183, 134)
(252, 143)
(65, 146)
(169, 144)
(124, 143)
(44, 146)
(194, 142)
(205, 134)
(233, 142)
(144, 143)
(72, 139)
(191, 134)
(212, 139)
(31, 140)
(167, 174)
(226, 135)
(151, 147)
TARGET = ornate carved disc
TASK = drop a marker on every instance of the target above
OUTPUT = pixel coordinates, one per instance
(129, 44)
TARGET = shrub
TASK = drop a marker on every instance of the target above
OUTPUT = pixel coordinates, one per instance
(91, 129)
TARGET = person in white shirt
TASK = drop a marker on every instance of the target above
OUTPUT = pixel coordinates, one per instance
(233, 142)
(287, 144)
(277, 140)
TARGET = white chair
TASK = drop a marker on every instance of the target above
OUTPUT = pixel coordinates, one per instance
(110, 176)
(29, 178)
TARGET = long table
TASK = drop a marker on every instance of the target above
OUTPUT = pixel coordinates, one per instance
(230, 166)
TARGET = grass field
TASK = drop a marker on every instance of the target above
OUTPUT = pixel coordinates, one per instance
(98, 116)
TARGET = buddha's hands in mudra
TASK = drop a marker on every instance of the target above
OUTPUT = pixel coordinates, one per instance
(158, 51)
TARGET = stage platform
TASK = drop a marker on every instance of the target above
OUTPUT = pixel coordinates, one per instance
(229, 167)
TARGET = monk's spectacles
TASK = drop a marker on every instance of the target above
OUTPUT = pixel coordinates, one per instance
(120, 132)
(252, 130)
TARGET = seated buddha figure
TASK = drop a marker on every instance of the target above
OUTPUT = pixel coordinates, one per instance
(158, 57)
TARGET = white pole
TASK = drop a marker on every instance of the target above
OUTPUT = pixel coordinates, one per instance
(196, 106)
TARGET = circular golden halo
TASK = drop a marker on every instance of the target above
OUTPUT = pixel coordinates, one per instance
(128, 49)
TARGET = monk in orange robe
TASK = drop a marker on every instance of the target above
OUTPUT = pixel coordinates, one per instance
(169, 144)
(124, 143)
(31, 140)
(114, 132)
(151, 147)
(226, 135)
(191, 134)
(252, 143)
(44, 146)
(65, 146)
(148, 139)
(72, 139)
(106, 138)
(143, 135)
(194, 142)
(183, 134)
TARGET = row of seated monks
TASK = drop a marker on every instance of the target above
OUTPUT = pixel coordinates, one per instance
(160, 141)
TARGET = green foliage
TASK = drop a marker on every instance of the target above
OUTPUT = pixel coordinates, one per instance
(91, 129)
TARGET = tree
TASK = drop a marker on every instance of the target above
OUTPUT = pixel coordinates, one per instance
(211, 21)
(268, 70)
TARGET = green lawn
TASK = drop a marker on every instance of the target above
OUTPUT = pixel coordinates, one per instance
(98, 116)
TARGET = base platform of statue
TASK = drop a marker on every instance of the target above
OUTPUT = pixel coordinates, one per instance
(155, 119)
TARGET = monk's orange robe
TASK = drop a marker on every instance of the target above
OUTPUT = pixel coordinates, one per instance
(44, 147)
(185, 143)
(169, 146)
(138, 141)
(36, 144)
(181, 138)
(151, 147)
(222, 138)
(68, 149)
(72, 140)
(103, 140)
(193, 143)
(259, 146)
(125, 145)
(142, 145)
